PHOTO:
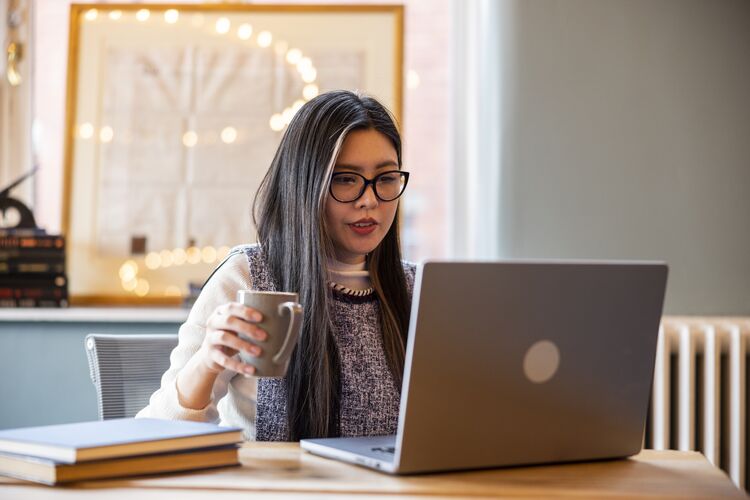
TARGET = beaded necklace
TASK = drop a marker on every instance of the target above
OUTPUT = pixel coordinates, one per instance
(350, 291)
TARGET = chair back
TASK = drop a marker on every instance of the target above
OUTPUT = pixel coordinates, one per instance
(126, 370)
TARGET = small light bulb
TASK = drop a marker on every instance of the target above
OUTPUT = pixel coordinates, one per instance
(229, 135)
(166, 258)
(106, 134)
(141, 287)
(190, 139)
(180, 256)
(309, 75)
(412, 79)
(310, 91)
(153, 260)
(276, 122)
(129, 285)
(86, 130)
(223, 25)
(193, 255)
(245, 31)
(143, 15)
(293, 56)
(265, 38)
(208, 254)
(171, 16)
(128, 270)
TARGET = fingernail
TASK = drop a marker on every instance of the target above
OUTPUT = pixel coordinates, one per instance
(249, 370)
(257, 317)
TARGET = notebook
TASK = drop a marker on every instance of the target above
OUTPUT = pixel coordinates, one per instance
(43, 470)
(84, 441)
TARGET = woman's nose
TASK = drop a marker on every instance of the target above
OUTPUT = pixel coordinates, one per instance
(368, 198)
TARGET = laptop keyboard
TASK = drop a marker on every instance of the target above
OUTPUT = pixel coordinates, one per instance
(385, 449)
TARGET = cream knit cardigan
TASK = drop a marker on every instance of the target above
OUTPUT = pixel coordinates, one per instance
(233, 400)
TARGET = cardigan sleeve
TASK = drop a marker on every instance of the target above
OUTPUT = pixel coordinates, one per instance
(221, 288)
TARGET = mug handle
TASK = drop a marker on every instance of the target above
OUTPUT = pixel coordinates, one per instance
(295, 311)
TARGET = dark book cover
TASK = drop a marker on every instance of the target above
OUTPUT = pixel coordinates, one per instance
(32, 253)
(27, 280)
(48, 241)
(32, 265)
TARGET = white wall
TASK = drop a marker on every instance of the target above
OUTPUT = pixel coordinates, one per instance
(626, 134)
(16, 102)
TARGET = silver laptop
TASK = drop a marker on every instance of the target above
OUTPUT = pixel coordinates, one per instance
(516, 363)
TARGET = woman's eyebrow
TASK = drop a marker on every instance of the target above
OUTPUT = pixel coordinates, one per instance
(383, 164)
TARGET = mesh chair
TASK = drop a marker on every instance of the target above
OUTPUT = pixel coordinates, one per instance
(126, 370)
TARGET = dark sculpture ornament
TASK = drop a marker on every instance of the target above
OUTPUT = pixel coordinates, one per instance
(26, 217)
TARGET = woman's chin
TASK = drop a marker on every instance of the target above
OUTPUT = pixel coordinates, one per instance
(359, 250)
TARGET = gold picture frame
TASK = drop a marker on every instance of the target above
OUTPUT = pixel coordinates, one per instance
(172, 112)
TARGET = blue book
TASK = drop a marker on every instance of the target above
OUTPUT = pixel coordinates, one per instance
(86, 441)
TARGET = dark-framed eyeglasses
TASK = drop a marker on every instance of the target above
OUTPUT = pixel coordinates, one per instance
(347, 187)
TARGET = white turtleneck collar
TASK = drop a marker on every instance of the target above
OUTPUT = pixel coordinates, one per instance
(354, 276)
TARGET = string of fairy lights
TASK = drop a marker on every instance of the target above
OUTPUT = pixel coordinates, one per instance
(130, 269)
(244, 33)
(131, 273)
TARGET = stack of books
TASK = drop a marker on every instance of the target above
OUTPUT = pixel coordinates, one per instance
(115, 448)
(32, 269)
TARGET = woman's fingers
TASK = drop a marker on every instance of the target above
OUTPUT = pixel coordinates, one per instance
(223, 340)
(250, 329)
(231, 363)
(237, 324)
(228, 338)
(242, 311)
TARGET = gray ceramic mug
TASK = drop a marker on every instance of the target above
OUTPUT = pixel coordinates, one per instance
(282, 320)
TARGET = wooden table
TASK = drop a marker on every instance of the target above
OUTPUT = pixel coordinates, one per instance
(282, 470)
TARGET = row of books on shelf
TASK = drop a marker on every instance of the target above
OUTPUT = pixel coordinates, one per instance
(32, 270)
(20, 240)
(115, 448)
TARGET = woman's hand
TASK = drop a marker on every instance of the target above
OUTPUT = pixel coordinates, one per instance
(222, 340)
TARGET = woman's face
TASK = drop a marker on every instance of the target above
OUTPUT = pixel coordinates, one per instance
(366, 152)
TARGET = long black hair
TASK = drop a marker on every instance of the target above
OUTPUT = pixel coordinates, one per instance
(289, 212)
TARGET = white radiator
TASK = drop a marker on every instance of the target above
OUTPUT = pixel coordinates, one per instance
(699, 399)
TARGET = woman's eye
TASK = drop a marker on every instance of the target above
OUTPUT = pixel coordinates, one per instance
(344, 179)
(388, 178)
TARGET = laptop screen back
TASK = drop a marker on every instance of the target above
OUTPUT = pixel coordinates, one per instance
(517, 363)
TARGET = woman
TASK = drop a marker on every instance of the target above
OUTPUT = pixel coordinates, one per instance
(327, 219)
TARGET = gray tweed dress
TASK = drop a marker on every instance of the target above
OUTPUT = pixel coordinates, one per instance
(369, 398)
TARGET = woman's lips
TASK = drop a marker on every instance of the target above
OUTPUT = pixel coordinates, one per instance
(363, 228)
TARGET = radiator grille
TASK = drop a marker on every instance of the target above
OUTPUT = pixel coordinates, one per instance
(700, 393)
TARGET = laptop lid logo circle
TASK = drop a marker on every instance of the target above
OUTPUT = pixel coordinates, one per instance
(541, 361)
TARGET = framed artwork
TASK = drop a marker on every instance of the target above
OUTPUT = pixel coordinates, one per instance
(174, 113)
